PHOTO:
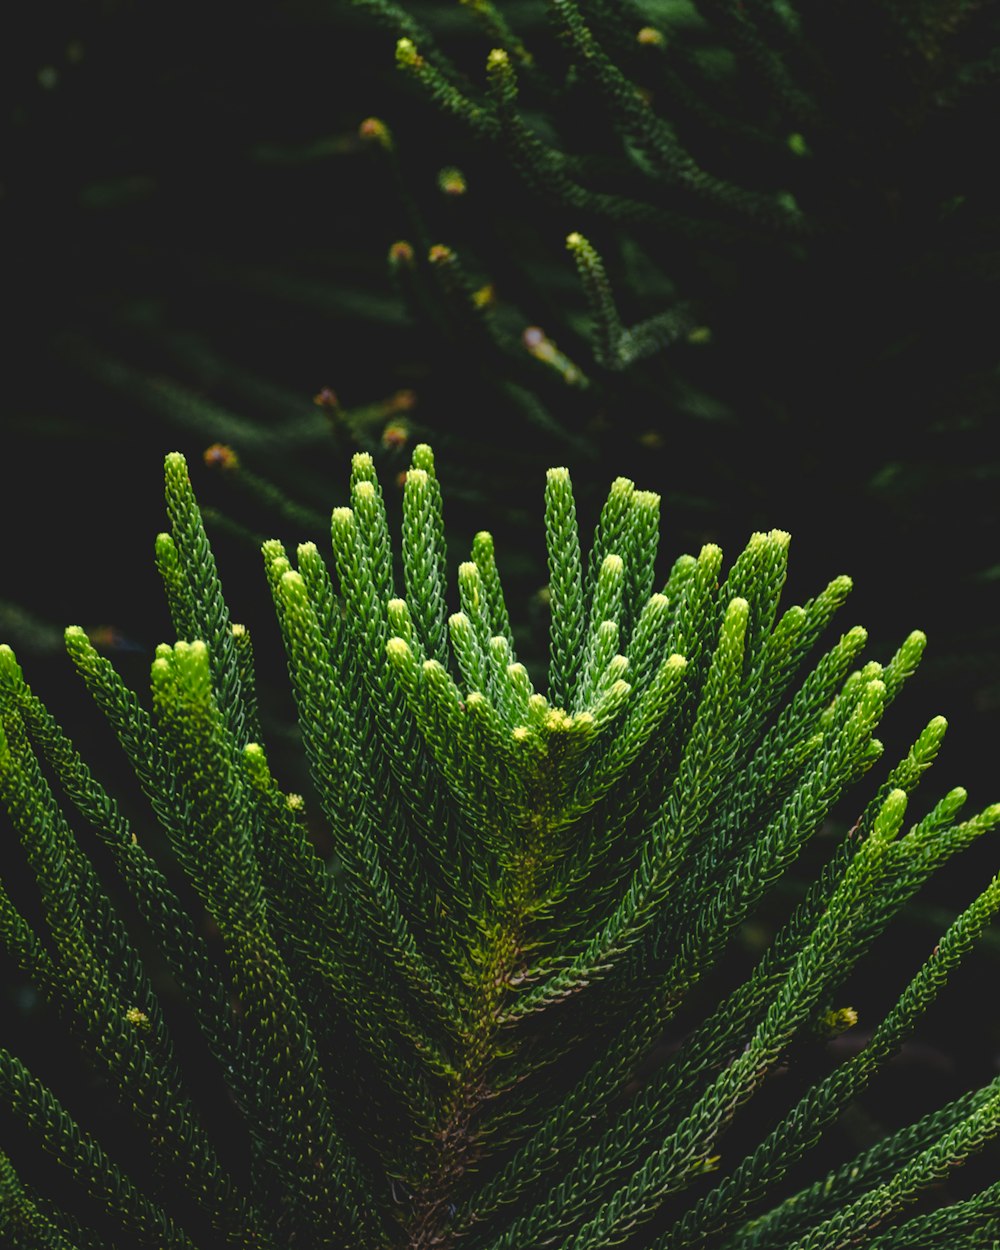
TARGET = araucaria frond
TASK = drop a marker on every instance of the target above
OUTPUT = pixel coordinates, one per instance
(431, 1039)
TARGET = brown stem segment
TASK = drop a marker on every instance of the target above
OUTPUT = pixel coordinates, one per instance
(457, 1144)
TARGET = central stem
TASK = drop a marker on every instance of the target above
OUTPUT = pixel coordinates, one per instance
(457, 1143)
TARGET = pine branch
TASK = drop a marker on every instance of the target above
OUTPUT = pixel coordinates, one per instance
(429, 1038)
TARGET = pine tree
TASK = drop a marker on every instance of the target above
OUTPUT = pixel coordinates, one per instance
(431, 1036)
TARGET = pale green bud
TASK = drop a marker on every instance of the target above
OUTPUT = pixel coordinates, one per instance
(163, 546)
(737, 609)
(10, 670)
(291, 581)
(398, 650)
(890, 817)
(407, 54)
(398, 616)
(646, 499)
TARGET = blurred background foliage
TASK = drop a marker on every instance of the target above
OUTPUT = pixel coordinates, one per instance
(249, 234)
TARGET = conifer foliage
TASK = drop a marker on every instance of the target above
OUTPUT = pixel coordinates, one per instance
(432, 1039)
